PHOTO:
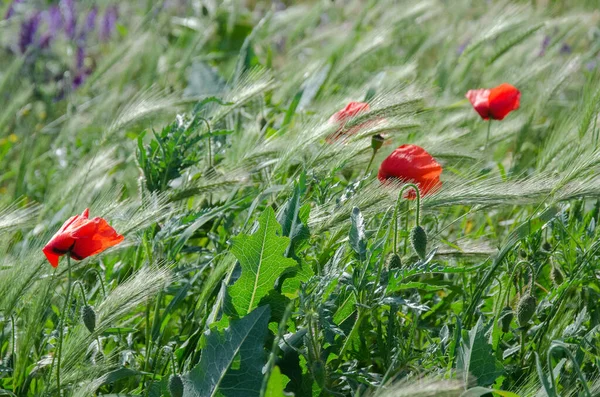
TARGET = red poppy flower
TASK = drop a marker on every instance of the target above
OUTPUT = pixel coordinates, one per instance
(340, 118)
(412, 164)
(80, 237)
(495, 103)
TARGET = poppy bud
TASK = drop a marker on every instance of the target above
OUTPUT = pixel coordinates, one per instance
(522, 253)
(377, 142)
(546, 246)
(525, 309)
(175, 386)
(89, 317)
(418, 240)
(393, 261)
(556, 276)
(9, 361)
(506, 317)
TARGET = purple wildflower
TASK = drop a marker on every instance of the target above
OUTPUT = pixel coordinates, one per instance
(90, 23)
(108, 22)
(544, 46)
(29, 29)
(79, 57)
(591, 65)
(54, 20)
(68, 10)
(79, 79)
(462, 47)
(565, 49)
(11, 9)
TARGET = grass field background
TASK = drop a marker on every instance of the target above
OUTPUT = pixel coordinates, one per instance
(257, 251)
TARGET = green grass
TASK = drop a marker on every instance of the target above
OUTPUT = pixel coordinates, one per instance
(256, 254)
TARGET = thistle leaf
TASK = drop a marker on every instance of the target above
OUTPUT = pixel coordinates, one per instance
(261, 256)
(243, 340)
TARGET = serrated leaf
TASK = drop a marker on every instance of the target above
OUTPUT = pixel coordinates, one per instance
(475, 358)
(510, 351)
(289, 218)
(358, 240)
(243, 343)
(276, 384)
(574, 328)
(292, 218)
(261, 256)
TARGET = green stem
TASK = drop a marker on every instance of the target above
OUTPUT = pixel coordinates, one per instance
(575, 366)
(99, 276)
(512, 275)
(63, 317)
(82, 290)
(397, 208)
(173, 363)
(487, 139)
(14, 344)
(522, 353)
(371, 161)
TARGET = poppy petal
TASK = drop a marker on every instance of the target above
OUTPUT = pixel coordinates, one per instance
(411, 163)
(351, 110)
(81, 237)
(480, 101)
(94, 238)
(503, 99)
(51, 256)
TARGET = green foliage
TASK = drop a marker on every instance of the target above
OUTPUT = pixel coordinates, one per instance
(168, 154)
(264, 257)
(240, 345)
(475, 359)
(262, 261)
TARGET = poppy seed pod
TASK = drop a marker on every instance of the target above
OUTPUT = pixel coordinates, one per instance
(377, 142)
(394, 261)
(418, 240)
(9, 361)
(556, 276)
(506, 317)
(175, 386)
(525, 309)
(546, 246)
(88, 316)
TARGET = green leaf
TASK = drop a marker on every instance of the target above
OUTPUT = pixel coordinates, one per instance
(289, 115)
(475, 358)
(358, 240)
(242, 343)
(261, 256)
(292, 220)
(289, 218)
(276, 384)
(548, 386)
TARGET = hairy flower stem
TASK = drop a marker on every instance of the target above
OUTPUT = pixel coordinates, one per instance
(565, 349)
(487, 138)
(371, 161)
(397, 209)
(63, 317)
(522, 352)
